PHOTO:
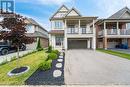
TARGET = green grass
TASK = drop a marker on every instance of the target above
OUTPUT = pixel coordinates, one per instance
(33, 60)
(123, 55)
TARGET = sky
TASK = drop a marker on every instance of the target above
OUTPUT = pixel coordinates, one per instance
(42, 10)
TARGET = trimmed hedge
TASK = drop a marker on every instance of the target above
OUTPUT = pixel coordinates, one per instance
(38, 44)
(56, 52)
(49, 49)
(45, 65)
(52, 56)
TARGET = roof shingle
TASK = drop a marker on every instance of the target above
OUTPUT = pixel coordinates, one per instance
(118, 14)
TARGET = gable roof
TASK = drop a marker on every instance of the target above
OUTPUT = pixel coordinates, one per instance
(120, 13)
(73, 9)
(63, 6)
(33, 22)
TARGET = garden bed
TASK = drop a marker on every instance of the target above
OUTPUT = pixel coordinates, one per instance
(41, 77)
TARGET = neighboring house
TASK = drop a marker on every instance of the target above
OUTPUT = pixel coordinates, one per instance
(36, 31)
(114, 32)
(71, 30)
(33, 30)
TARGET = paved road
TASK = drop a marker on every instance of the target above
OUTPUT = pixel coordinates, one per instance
(92, 67)
(11, 55)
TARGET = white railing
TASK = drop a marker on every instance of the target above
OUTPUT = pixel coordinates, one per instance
(101, 32)
(112, 31)
(72, 30)
(79, 31)
(115, 32)
(124, 31)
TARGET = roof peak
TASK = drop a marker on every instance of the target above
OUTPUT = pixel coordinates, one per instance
(73, 8)
(119, 13)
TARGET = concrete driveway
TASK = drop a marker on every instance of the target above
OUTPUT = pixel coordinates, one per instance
(92, 67)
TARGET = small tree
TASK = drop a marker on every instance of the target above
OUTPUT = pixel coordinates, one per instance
(16, 31)
(38, 44)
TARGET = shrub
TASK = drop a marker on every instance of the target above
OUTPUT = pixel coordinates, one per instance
(40, 49)
(52, 56)
(49, 49)
(56, 52)
(39, 44)
(45, 65)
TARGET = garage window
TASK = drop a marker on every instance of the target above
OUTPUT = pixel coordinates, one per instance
(59, 40)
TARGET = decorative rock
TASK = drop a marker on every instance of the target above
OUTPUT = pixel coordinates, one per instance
(61, 54)
(57, 73)
(61, 57)
(59, 65)
(60, 60)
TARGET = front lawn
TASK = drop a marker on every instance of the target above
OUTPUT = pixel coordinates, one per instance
(123, 55)
(32, 60)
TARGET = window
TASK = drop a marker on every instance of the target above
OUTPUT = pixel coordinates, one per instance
(83, 30)
(128, 25)
(59, 40)
(29, 29)
(58, 24)
(114, 27)
(60, 15)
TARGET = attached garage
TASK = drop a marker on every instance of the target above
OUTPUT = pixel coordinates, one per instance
(77, 44)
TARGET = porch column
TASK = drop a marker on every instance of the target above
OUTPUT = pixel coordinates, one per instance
(65, 35)
(105, 30)
(79, 30)
(94, 36)
(51, 25)
(88, 43)
(105, 43)
(118, 30)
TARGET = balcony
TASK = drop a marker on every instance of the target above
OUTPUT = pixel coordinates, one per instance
(79, 31)
(114, 32)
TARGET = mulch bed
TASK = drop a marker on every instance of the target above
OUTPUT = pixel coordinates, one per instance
(19, 70)
(46, 77)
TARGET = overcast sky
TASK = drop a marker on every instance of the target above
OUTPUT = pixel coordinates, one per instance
(42, 10)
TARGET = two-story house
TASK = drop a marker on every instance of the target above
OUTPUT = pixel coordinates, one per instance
(114, 32)
(36, 31)
(71, 30)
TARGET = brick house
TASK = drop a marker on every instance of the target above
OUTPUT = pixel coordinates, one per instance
(114, 32)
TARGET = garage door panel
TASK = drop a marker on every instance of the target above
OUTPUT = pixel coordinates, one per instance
(77, 44)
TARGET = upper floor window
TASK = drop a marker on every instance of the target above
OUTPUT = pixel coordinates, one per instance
(60, 15)
(128, 26)
(58, 24)
(29, 29)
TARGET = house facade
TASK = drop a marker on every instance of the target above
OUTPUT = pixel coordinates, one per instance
(71, 30)
(35, 30)
(114, 32)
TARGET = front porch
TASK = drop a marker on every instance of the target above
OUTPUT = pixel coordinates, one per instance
(112, 43)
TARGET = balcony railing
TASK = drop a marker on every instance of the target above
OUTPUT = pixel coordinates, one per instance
(115, 32)
(79, 31)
